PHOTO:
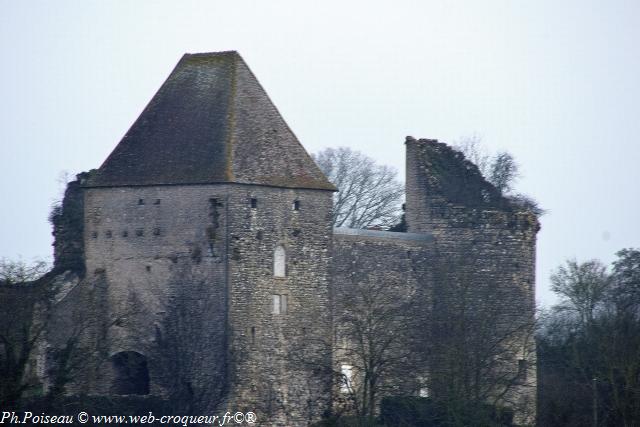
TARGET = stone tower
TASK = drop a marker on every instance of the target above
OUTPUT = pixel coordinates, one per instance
(485, 266)
(209, 229)
(198, 265)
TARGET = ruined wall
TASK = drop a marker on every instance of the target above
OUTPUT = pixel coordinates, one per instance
(68, 227)
(486, 261)
(159, 254)
(386, 278)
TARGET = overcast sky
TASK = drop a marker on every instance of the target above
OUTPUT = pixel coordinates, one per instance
(556, 83)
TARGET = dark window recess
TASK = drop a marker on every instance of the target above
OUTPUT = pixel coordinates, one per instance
(109, 234)
(522, 370)
(156, 231)
(196, 255)
(157, 202)
(94, 234)
(140, 232)
(141, 201)
(296, 232)
(148, 268)
(254, 203)
(259, 235)
(296, 205)
(125, 233)
(253, 335)
(130, 373)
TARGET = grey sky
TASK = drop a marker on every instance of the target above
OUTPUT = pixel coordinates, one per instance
(555, 83)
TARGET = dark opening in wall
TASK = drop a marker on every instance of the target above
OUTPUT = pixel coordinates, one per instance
(130, 373)
(94, 234)
(156, 231)
(125, 233)
(522, 371)
(109, 234)
(296, 205)
(254, 203)
(157, 202)
(140, 232)
(141, 201)
(196, 254)
(253, 335)
(148, 268)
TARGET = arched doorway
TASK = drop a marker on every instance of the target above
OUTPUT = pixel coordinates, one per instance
(130, 373)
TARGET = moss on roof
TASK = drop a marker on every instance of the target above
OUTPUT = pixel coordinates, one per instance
(210, 122)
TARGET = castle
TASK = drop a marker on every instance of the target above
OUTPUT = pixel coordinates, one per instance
(205, 264)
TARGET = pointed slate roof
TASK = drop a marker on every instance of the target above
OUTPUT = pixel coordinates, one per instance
(210, 122)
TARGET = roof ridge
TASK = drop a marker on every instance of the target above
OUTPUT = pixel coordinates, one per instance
(210, 121)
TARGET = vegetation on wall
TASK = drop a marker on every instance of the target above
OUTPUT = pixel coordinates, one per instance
(589, 345)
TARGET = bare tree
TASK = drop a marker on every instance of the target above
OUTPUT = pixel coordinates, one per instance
(626, 279)
(19, 272)
(482, 350)
(583, 287)
(374, 321)
(589, 348)
(195, 377)
(475, 152)
(504, 172)
(368, 194)
(500, 169)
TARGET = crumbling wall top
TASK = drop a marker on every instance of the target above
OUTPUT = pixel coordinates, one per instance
(451, 176)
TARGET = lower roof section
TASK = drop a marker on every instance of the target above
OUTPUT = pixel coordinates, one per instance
(414, 237)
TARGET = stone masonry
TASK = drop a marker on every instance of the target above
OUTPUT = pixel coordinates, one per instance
(199, 261)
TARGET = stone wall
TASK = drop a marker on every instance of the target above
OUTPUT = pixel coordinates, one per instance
(160, 255)
(486, 263)
(183, 276)
(205, 253)
(381, 284)
(280, 363)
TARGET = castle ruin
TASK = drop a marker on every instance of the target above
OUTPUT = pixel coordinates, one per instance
(199, 261)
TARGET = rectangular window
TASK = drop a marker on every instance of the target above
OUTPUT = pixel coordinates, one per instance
(254, 203)
(279, 304)
(296, 205)
(522, 371)
(141, 201)
(423, 388)
(347, 378)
